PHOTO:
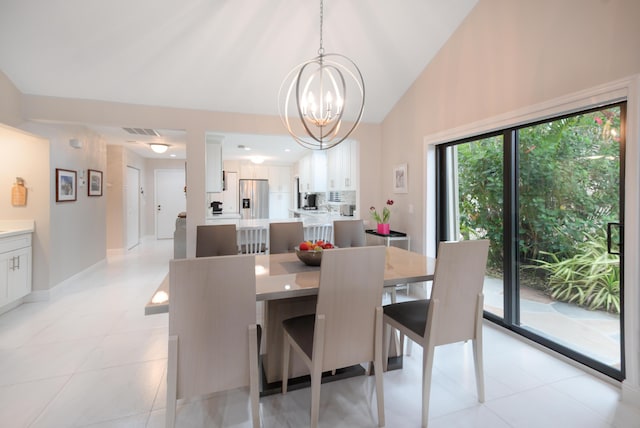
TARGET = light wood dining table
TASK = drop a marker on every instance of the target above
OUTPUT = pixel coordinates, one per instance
(289, 288)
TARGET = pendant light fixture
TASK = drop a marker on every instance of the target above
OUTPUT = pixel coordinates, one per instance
(318, 96)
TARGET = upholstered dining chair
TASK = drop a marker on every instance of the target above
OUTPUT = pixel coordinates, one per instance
(213, 336)
(347, 326)
(452, 314)
(252, 240)
(216, 240)
(349, 233)
(285, 237)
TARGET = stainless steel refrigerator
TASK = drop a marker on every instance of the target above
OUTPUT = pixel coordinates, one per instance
(254, 199)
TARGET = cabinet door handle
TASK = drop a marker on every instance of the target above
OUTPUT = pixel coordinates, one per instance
(18, 264)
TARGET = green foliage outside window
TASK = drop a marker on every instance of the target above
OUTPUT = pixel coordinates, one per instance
(568, 187)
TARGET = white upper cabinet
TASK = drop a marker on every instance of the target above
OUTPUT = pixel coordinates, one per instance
(279, 179)
(312, 171)
(214, 164)
(250, 171)
(342, 162)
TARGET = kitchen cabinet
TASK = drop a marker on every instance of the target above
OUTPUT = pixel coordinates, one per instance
(279, 179)
(342, 166)
(312, 171)
(250, 171)
(15, 267)
(214, 165)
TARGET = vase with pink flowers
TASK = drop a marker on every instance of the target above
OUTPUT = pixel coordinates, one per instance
(382, 219)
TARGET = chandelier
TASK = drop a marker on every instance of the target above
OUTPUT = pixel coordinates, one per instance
(316, 95)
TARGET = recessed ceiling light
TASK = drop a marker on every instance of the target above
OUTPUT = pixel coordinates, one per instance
(172, 155)
(287, 150)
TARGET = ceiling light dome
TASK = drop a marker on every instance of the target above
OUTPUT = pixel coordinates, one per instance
(159, 147)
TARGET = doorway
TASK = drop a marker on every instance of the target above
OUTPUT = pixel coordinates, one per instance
(133, 207)
(169, 200)
(550, 197)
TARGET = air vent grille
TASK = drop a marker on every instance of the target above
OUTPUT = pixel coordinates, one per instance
(142, 131)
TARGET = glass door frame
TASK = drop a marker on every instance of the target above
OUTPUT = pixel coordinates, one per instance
(511, 286)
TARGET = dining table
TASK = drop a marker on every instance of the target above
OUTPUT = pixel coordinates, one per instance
(288, 287)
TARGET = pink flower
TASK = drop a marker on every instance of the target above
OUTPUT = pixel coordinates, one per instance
(598, 120)
(389, 202)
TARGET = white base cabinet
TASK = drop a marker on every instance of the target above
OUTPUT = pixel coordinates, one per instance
(15, 267)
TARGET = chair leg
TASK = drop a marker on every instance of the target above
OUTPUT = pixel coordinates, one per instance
(385, 348)
(427, 367)
(479, 366)
(172, 382)
(254, 376)
(316, 380)
(285, 362)
(378, 366)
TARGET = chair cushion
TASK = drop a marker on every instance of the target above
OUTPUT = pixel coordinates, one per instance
(301, 331)
(411, 314)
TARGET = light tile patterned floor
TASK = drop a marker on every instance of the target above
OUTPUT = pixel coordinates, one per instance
(90, 358)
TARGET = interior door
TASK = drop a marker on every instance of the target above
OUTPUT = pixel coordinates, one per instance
(133, 207)
(170, 200)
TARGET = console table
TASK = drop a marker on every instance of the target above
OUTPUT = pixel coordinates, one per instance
(393, 236)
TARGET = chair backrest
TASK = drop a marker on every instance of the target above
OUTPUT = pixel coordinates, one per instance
(314, 232)
(351, 283)
(457, 285)
(284, 237)
(213, 301)
(349, 233)
(252, 240)
(216, 240)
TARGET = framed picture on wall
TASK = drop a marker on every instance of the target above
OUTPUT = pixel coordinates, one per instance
(66, 185)
(400, 179)
(95, 183)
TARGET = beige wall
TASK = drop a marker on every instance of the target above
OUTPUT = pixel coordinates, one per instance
(10, 102)
(78, 239)
(506, 55)
(27, 156)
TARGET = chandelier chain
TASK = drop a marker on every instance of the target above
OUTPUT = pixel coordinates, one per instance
(321, 49)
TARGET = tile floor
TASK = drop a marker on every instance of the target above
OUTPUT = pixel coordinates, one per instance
(90, 358)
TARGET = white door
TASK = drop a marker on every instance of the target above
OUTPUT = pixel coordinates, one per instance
(170, 200)
(133, 207)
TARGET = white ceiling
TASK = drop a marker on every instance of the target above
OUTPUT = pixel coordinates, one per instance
(217, 55)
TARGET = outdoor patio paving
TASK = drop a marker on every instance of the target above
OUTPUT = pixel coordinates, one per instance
(593, 333)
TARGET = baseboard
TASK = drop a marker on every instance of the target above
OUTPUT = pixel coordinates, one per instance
(12, 305)
(45, 295)
(630, 395)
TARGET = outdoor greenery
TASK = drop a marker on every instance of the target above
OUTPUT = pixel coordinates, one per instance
(568, 190)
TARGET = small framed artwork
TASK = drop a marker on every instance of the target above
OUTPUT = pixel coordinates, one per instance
(95, 183)
(400, 179)
(66, 185)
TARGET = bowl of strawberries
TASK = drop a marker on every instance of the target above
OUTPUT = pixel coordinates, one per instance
(310, 253)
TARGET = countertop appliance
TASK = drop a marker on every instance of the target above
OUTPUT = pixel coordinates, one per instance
(347, 209)
(216, 207)
(254, 199)
(310, 201)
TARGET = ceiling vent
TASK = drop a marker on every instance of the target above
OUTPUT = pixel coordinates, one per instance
(142, 131)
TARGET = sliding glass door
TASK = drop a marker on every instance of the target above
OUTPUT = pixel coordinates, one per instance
(549, 196)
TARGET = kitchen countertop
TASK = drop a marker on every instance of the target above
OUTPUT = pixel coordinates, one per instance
(306, 220)
(15, 227)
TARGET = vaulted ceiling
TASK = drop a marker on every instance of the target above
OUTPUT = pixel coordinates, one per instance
(217, 55)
